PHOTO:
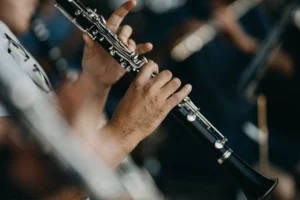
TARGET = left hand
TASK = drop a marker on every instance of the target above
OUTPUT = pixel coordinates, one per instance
(98, 63)
(231, 28)
(227, 21)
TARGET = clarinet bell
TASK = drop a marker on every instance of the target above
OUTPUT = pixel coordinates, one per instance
(254, 185)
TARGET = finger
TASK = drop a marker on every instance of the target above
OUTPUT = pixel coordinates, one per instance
(90, 45)
(88, 41)
(144, 48)
(145, 73)
(162, 79)
(171, 87)
(124, 34)
(118, 15)
(178, 97)
(131, 45)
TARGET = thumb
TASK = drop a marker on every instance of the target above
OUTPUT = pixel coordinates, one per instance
(89, 43)
(89, 49)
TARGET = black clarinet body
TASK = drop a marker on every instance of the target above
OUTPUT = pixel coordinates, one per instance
(254, 185)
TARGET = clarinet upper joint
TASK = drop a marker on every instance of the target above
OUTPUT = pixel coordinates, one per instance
(225, 156)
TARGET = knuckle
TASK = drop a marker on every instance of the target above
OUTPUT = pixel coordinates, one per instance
(153, 65)
(176, 82)
(156, 69)
(155, 99)
(147, 89)
(177, 98)
(145, 68)
(137, 83)
(161, 110)
(148, 65)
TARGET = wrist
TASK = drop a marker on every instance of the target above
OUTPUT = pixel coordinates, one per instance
(98, 87)
(127, 138)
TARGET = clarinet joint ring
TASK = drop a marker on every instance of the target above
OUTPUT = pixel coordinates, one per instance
(225, 156)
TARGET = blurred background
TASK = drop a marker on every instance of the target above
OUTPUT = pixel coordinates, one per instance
(245, 79)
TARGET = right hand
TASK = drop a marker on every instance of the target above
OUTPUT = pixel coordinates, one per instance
(147, 103)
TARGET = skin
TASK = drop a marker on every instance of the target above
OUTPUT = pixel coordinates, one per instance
(278, 61)
(82, 102)
(15, 16)
(120, 135)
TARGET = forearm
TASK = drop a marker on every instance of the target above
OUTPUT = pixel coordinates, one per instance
(69, 193)
(281, 62)
(277, 60)
(249, 45)
(98, 91)
(113, 144)
(245, 43)
(89, 100)
(4, 129)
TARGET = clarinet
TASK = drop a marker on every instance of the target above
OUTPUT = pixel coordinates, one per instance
(254, 185)
(195, 41)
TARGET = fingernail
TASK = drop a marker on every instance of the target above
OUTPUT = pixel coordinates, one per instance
(122, 38)
(131, 48)
(189, 87)
(134, 1)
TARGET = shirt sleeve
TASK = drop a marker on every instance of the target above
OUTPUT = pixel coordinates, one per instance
(6, 61)
(3, 111)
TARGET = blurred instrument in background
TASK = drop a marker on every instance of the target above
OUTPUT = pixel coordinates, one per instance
(263, 134)
(59, 65)
(286, 188)
(53, 57)
(195, 41)
(249, 82)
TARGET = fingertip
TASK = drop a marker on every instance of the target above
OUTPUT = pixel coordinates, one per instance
(133, 2)
(153, 64)
(189, 87)
(85, 37)
(130, 4)
(177, 80)
(149, 46)
(153, 67)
